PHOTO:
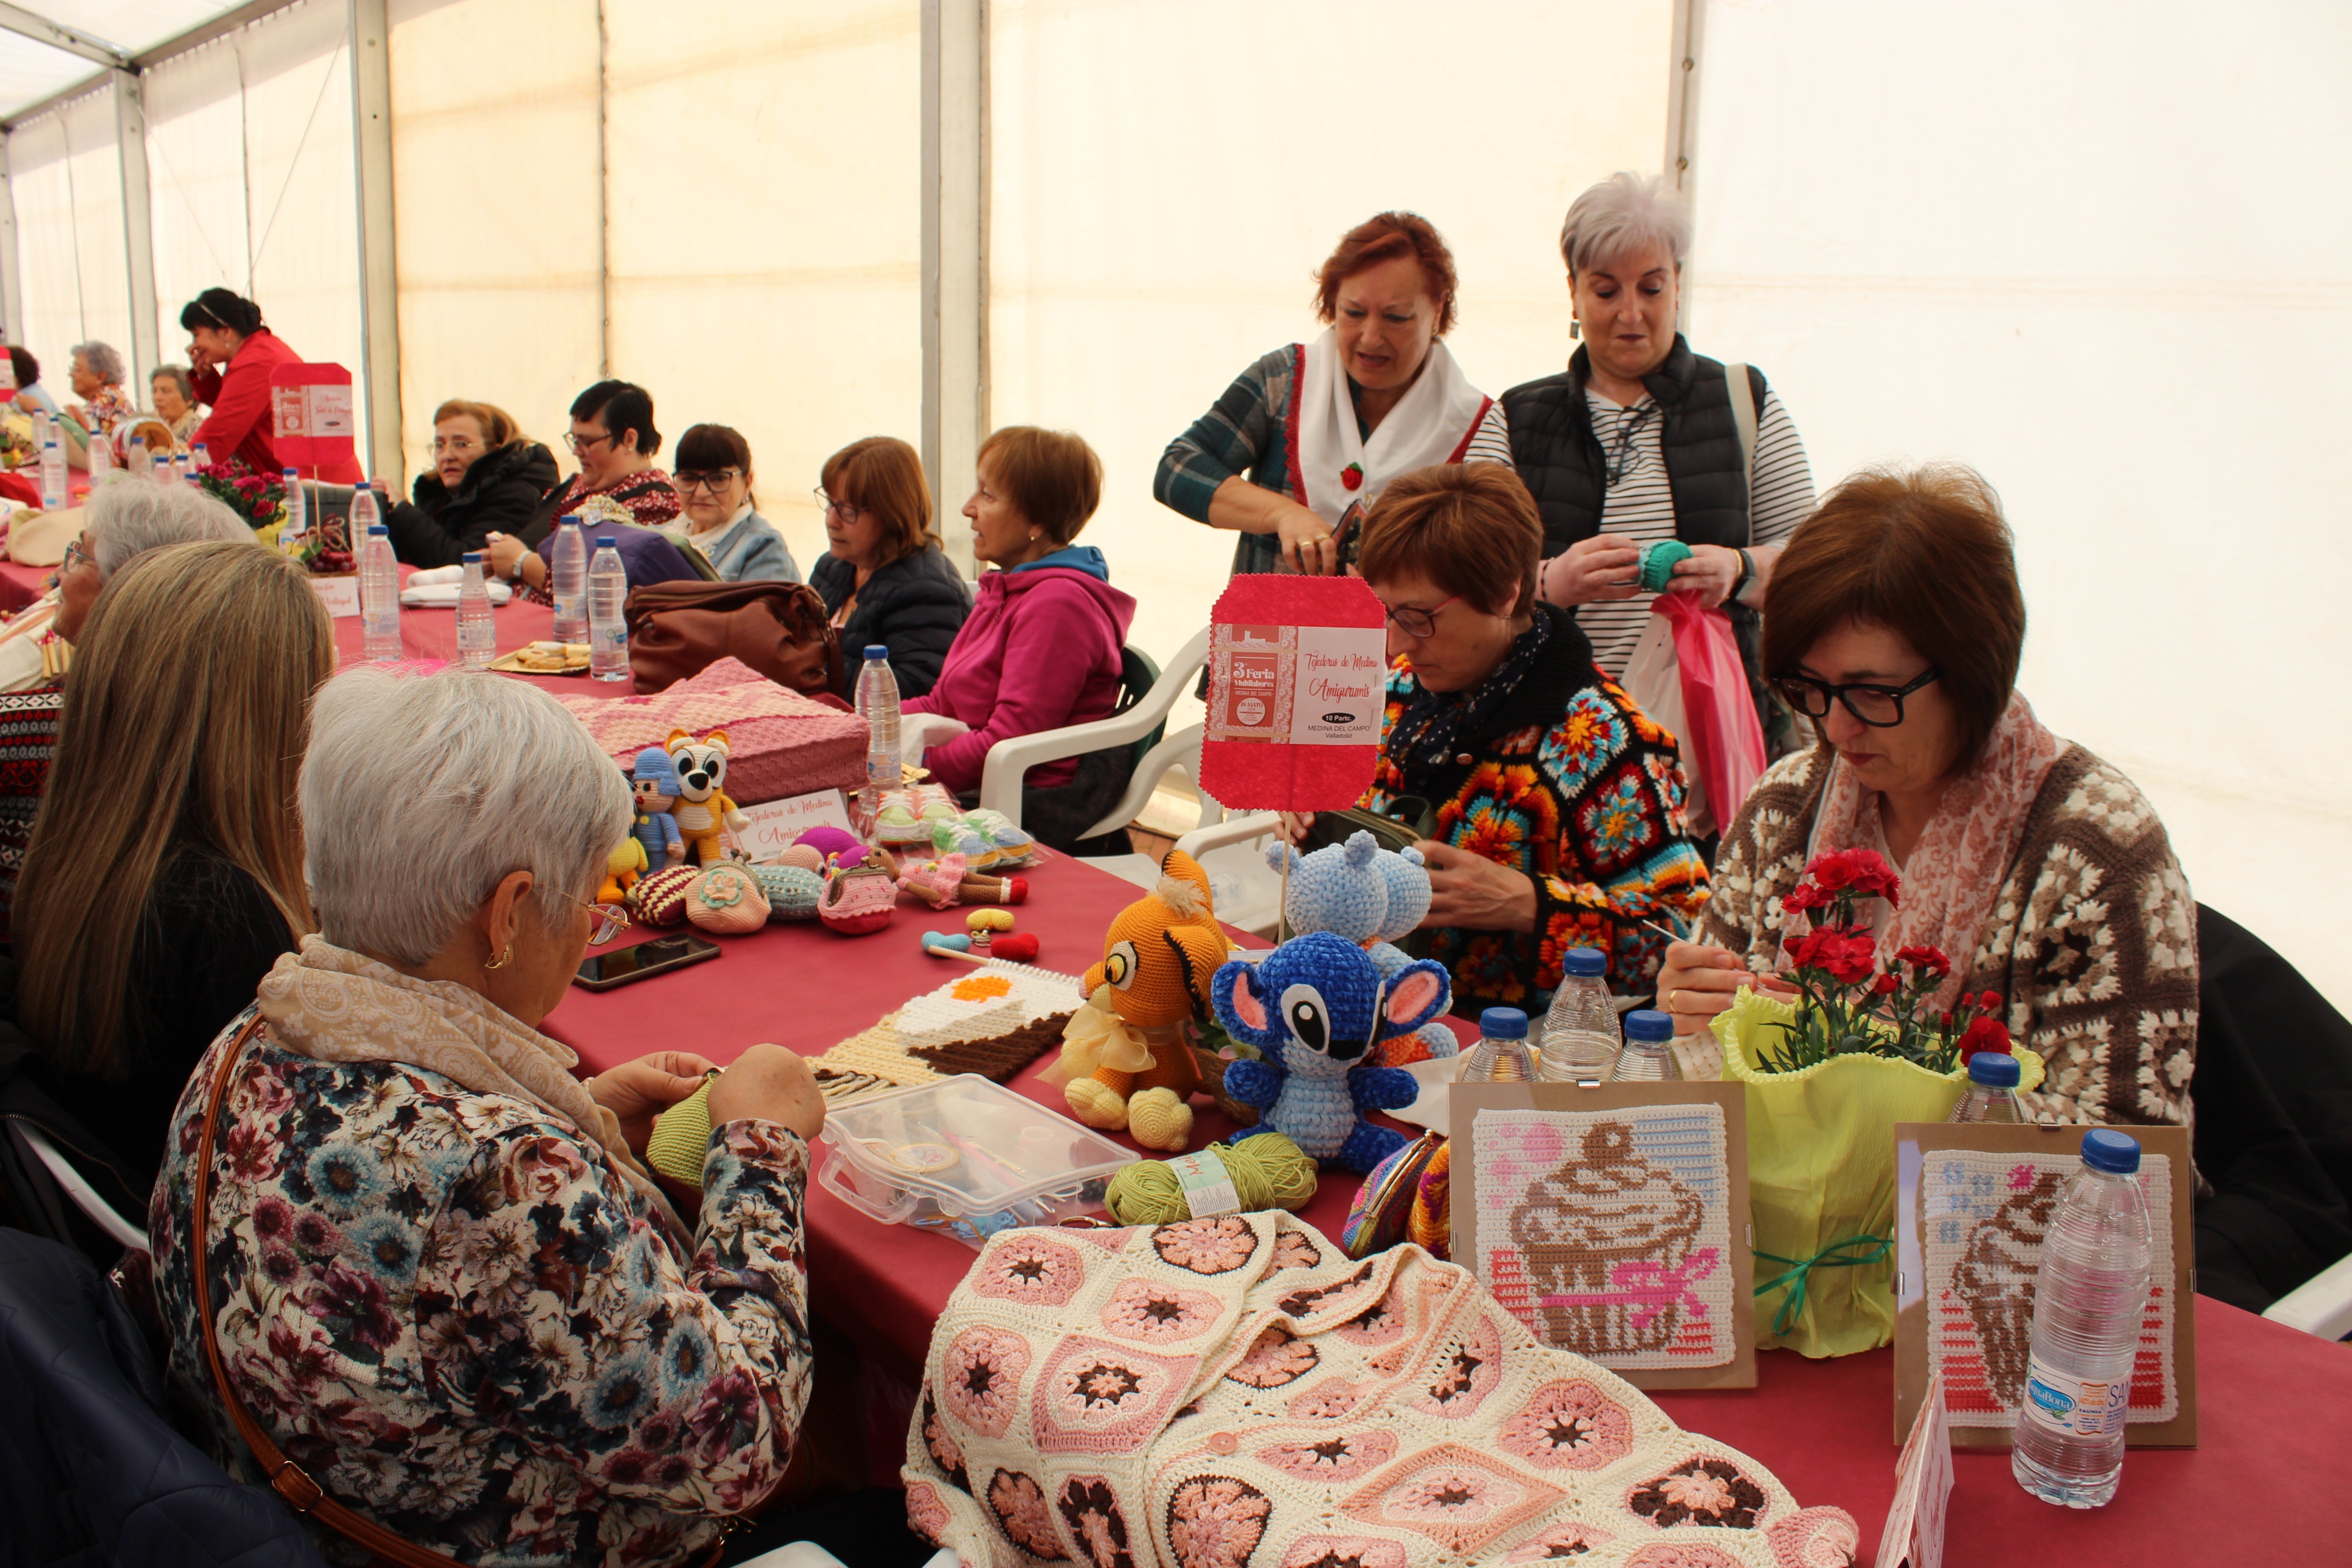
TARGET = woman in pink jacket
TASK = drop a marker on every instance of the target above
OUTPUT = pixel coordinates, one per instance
(1041, 648)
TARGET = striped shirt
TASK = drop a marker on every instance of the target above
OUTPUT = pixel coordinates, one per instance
(1247, 431)
(1639, 505)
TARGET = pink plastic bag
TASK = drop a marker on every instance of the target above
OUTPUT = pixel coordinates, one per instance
(1723, 744)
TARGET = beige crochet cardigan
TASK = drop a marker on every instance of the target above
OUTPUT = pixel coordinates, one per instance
(2091, 945)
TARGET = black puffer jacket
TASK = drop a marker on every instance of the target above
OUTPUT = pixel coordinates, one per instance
(497, 495)
(914, 607)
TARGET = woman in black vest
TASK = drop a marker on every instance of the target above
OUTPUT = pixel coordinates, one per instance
(1640, 439)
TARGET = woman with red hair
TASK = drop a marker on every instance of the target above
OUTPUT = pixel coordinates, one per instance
(1319, 428)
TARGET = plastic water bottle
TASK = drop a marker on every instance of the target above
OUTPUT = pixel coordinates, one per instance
(365, 512)
(143, 461)
(878, 704)
(567, 573)
(608, 628)
(1993, 1089)
(200, 457)
(379, 590)
(1648, 1055)
(1501, 1054)
(102, 458)
(1580, 1036)
(477, 636)
(298, 508)
(54, 493)
(2087, 1304)
(184, 469)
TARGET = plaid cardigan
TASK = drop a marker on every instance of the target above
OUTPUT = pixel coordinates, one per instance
(1572, 785)
(1249, 430)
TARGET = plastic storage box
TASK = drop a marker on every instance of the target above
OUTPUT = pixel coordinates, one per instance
(965, 1156)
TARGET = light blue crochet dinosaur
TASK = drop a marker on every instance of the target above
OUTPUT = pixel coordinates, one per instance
(1373, 896)
(1321, 1010)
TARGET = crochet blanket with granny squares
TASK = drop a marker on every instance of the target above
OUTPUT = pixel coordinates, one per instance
(1238, 1393)
(994, 1020)
(1984, 1215)
(1608, 1232)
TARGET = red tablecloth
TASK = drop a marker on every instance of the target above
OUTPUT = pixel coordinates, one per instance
(433, 634)
(20, 584)
(2276, 1405)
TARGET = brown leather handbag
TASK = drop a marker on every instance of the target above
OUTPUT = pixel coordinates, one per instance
(678, 629)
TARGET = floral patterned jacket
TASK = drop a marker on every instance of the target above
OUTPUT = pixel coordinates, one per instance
(1573, 784)
(450, 1310)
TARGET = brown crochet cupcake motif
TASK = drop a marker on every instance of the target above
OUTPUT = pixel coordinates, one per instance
(1605, 1207)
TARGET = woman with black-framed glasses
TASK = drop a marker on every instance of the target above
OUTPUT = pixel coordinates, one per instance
(2038, 871)
(722, 517)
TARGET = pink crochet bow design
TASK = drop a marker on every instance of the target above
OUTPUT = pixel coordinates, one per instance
(1649, 1287)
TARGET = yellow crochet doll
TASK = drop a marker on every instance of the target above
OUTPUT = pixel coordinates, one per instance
(623, 867)
(1126, 1060)
(703, 811)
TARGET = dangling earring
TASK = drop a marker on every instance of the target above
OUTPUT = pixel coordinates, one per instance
(503, 959)
(1575, 328)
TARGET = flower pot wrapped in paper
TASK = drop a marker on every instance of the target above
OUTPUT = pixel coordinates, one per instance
(1828, 1076)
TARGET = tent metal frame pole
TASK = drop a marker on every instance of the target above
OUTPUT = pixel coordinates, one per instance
(371, 35)
(1682, 122)
(11, 309)
(56, 36)
(137, 227)
(955, 257)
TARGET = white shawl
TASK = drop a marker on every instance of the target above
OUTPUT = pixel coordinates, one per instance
(1432, 423)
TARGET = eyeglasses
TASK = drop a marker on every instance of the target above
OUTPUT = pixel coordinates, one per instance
(1880, 707)
(1628, 431)
(611, 920)
(75, 552)
(453, 444)
(580, 446)
(714, 481)
(841, 508)
(1419, 623)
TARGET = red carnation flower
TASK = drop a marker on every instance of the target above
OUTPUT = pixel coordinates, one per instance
(1991, 999)
(1928, 959)
(1883, 986)
(1804, 895)
(1984, 1035)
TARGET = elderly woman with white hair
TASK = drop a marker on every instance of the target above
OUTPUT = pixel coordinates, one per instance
(1640, 439)
(399, 1244)
(97, 375)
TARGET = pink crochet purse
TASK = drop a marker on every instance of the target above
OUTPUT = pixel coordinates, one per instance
(727, 899)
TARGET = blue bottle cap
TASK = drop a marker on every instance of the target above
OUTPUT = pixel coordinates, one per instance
(571, 519)
(875, 651)
(1994, 1070)
(1503, 1024)
(376, 528)
(1648, 1026)
(473, 558)
(603, 541)
(291, 474)
(1586, 963)
(2105, 1149)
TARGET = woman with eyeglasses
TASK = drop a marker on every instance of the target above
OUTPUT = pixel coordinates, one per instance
(722, 519)
(434, 1268)
(884, 579)
(2038, 870)
(1640, 441)
(613, 437)
(486, 476)
(232, 354)
(1558, 803)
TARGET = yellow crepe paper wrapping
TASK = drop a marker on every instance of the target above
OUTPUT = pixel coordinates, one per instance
(1821, 1170)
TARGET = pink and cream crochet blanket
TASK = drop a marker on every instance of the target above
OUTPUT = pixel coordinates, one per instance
(780, 744)
(1237, 1393)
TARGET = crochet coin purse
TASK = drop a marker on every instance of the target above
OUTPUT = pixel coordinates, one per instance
(660, 899)
(727, 899)
(792, 891)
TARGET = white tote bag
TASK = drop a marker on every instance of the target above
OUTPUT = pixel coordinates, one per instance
(1654, 679)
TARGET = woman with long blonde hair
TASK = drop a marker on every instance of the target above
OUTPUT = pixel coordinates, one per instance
(164, 875)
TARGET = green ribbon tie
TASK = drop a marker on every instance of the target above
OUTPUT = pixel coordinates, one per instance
(1833, 1255)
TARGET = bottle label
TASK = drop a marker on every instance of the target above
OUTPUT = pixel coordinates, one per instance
(1208, 1185)
(2073, 1406)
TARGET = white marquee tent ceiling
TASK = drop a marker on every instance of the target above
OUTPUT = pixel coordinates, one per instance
(32, 70)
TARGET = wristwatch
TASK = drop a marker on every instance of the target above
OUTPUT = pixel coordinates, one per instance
(1747, 573)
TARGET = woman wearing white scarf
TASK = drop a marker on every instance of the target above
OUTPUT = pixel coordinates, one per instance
(438, 1275)
(1313, 429)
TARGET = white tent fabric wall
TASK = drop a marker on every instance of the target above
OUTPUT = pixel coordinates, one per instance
(764, 172)
(67, 188)
(495, 210)
(250, 162)
(1167, 179)
(2095, 251)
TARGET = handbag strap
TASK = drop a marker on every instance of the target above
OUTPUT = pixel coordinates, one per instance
(288, 1479)
(1743, 419)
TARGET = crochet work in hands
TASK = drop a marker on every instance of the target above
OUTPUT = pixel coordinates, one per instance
(1236, 1393)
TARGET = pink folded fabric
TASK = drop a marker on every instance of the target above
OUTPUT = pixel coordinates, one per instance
(780, 744)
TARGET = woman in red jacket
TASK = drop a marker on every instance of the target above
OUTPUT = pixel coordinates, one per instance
(1041, 648)
(232, 354)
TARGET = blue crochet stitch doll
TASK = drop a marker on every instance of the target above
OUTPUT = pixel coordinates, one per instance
(1373, 896)
(1319, 1008)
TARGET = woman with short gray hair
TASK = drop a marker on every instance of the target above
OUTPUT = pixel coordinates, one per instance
(512, 1348)
(1640, 441)
(97, 376)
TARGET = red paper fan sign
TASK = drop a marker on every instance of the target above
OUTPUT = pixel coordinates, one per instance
(311, 416)
(1298, 678)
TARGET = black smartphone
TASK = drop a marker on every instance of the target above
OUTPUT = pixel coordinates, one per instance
(605, 970)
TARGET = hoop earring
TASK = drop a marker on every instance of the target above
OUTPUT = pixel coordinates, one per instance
(503, 959)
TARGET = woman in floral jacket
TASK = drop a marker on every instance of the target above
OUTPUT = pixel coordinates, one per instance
(1558, 801)
(440, 1281)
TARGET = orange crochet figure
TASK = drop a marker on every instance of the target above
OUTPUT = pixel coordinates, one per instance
(703, 810)
(1126, 1060)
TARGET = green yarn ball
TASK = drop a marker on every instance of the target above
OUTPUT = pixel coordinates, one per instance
(1269, 1170)
(1657, 562)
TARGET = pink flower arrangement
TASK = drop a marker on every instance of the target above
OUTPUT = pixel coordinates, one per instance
(1848, 1006)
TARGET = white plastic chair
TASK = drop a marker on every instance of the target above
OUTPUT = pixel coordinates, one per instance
(2321, 1305)
(1246, 890)
(32, 1140)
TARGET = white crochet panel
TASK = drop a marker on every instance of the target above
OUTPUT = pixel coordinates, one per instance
(983, 1003)
(1985, 1214)
(1608, 1232)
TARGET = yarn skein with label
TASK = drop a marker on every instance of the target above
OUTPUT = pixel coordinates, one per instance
(1268, 1171)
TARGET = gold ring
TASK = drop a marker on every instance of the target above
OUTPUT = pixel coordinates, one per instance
(1670, 1001)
